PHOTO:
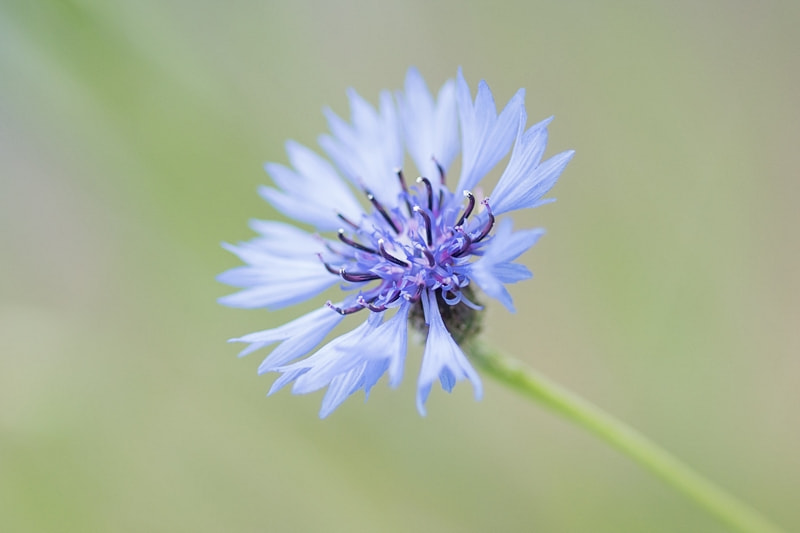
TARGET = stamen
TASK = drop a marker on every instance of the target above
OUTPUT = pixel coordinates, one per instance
(357, 277)
(354, 244)
(403, 185)
(428, 255)
(327, 244)
(428, 228)
(347, 221)
(467, 242)
(402, 179)
(489, 224)
(440, 168)
(382, 211)
(467, 210)
(389, 257)
(328, 267)
(429, 189)
(416, 296)
(344, 310)
(377, 308)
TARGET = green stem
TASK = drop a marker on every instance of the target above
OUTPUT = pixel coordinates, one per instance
(703, 492)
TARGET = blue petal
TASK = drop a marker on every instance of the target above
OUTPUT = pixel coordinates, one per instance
(321, 217)
(524, 187)
(485, 136)
(350, 362)
(369, 151)
(299, 336)
(442, 359)
(431, 129)
(337, 357)
(286, 378)
(494, 268)
(284, 240)
(340, 388)
(277, 295)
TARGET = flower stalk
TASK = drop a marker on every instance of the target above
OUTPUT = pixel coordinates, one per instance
(706, 494)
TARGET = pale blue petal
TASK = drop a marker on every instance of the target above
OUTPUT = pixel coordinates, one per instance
(285, 240)
(448, 141)
(486, 137)
(442, 359)
(242, 277)
(369, 151)
(494, 268)
(299, 337)
(373, 371)
(277, 295)
(511, 272)
(337, 357)
(321, 183)
(524, 188)
(340, 388)
(273, 268)
(431, 128)
(321, 217)
(493, 287)
(286, 378)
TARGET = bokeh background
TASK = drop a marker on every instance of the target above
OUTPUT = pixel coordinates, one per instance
(132, 136)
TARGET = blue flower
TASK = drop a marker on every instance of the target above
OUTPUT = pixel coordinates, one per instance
(412, 257)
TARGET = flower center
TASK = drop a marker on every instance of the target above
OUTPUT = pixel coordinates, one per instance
(426, 242)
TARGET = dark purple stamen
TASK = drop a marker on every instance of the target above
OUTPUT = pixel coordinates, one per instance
(354, 244)
(489, 224)
(382, 211)
(380, 307)
(344, 310)
(347, 221)
(416, 296)
(466, 245)
(428, 255)
(357, 277)
(429, 189)
(402, 179)
(403, 185)
(328, 267)
(428, 228)
(390, 257)
(440, 168)
(467, 210)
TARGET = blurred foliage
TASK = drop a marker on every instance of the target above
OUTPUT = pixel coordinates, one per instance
(131, 141)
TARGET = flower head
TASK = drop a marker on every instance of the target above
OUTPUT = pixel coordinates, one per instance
(409, 252)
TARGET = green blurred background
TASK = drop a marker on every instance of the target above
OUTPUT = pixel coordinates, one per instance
(132, 136)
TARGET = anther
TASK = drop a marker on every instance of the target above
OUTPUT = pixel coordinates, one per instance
(440, 168)
(467, 210)
(347, 221)
(382, 211)
(467, 242)
(357, 277)
(429, 190)
(488, 227)
(390, 257)
(369, 305)
(344, 310)
(428, 255)
(402, 179)
(416, 296)
(403, 185)
(428, 228)
(350, 242)
(328, 267)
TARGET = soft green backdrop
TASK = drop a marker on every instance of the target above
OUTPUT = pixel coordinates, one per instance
(131, 141)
